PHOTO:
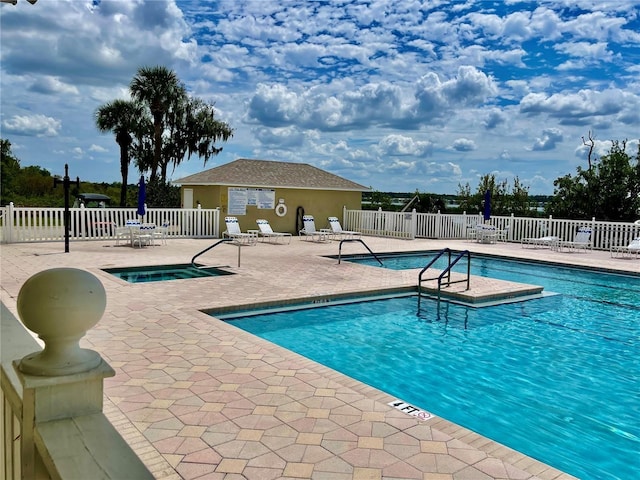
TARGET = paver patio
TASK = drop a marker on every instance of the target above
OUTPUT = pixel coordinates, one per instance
(198, 398)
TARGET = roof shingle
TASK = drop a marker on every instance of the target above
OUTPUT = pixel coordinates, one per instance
(267, 173)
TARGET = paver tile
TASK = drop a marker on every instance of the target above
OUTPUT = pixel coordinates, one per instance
(198, 398)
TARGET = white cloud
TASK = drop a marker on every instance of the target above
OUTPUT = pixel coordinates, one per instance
(32, 125)
(51, 85)
(400, 145)
(385, 93)
(463, 145)
(97, 148)
(549, 139)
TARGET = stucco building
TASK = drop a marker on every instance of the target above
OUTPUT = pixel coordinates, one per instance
(280, 192)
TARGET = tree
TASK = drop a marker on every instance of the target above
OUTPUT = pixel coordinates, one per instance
(128, 121)
(379, 200)
(608, 190)
(10, 169)
(182, 126)
(159, 89)
(517, 203)
(426, 203)
(192, 129)
(503, 202)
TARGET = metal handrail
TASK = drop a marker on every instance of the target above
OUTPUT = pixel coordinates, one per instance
(356, 240)
(193, 260)
(446, 271)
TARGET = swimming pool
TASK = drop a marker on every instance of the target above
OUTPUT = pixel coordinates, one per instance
(555, 378)
(161, 273)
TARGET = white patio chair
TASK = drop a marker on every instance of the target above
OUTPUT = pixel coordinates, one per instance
(311, 233)
(121, 233)
(143, 235)
(161, 232)
(267, 232)
(234, 233)
(582, 240)
(627, 250)
(542, 242)
(338, 232)
(503, 234)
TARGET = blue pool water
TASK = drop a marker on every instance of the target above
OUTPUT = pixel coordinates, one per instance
(555, 378)
(162, 273)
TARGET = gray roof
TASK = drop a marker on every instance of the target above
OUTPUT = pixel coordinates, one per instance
(269, 174)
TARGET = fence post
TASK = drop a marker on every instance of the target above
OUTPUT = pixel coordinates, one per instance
(9, 222)
(83, 224)
(199, 220)
(511, 227)
(414, 224)
(63, 381)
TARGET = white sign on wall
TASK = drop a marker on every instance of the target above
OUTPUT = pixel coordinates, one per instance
(239, 198)
(237, 201)
(264, 198)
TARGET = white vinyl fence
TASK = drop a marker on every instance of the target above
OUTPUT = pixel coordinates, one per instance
(41, 224)
(410, 225)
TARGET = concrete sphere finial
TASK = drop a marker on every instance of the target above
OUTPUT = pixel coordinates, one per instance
(60, 305)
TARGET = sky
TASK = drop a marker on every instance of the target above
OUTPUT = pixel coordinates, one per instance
(397, 95)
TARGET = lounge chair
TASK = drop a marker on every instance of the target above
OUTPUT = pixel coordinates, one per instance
(234, 233)
(581, 240)
(310, 233)
(629, 250)
(541, 242)
(267, 232)
(338, 232)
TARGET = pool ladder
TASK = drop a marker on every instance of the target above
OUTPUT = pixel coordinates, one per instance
(193, 260)
(356, 240)
(446, 272)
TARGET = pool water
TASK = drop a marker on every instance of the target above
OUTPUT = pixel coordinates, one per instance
(160, 273)
(555, 378)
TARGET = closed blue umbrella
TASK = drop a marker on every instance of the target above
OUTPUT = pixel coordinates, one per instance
(142, 197)
(487, 205)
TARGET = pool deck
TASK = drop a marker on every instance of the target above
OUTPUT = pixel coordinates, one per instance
(197, 398)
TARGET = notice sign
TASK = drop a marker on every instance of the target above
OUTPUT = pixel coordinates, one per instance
(237, 201)
(410, 409)
(263, 198)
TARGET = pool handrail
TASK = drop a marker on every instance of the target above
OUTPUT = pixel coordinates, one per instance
(193, 260)
(446, 271)
(356, 240)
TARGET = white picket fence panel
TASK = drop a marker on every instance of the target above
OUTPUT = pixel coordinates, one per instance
(42, 224)
(411, 225)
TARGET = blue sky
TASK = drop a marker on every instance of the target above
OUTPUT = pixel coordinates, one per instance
(398, 95)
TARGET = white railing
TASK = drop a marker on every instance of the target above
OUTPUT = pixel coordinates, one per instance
(381, 224)
(41, 224)
(458, 226)
(61, 398)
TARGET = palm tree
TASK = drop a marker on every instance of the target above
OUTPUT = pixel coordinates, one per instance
(126, 119)
(159, 88)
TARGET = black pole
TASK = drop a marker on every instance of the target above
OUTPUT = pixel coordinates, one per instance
(66, 183)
